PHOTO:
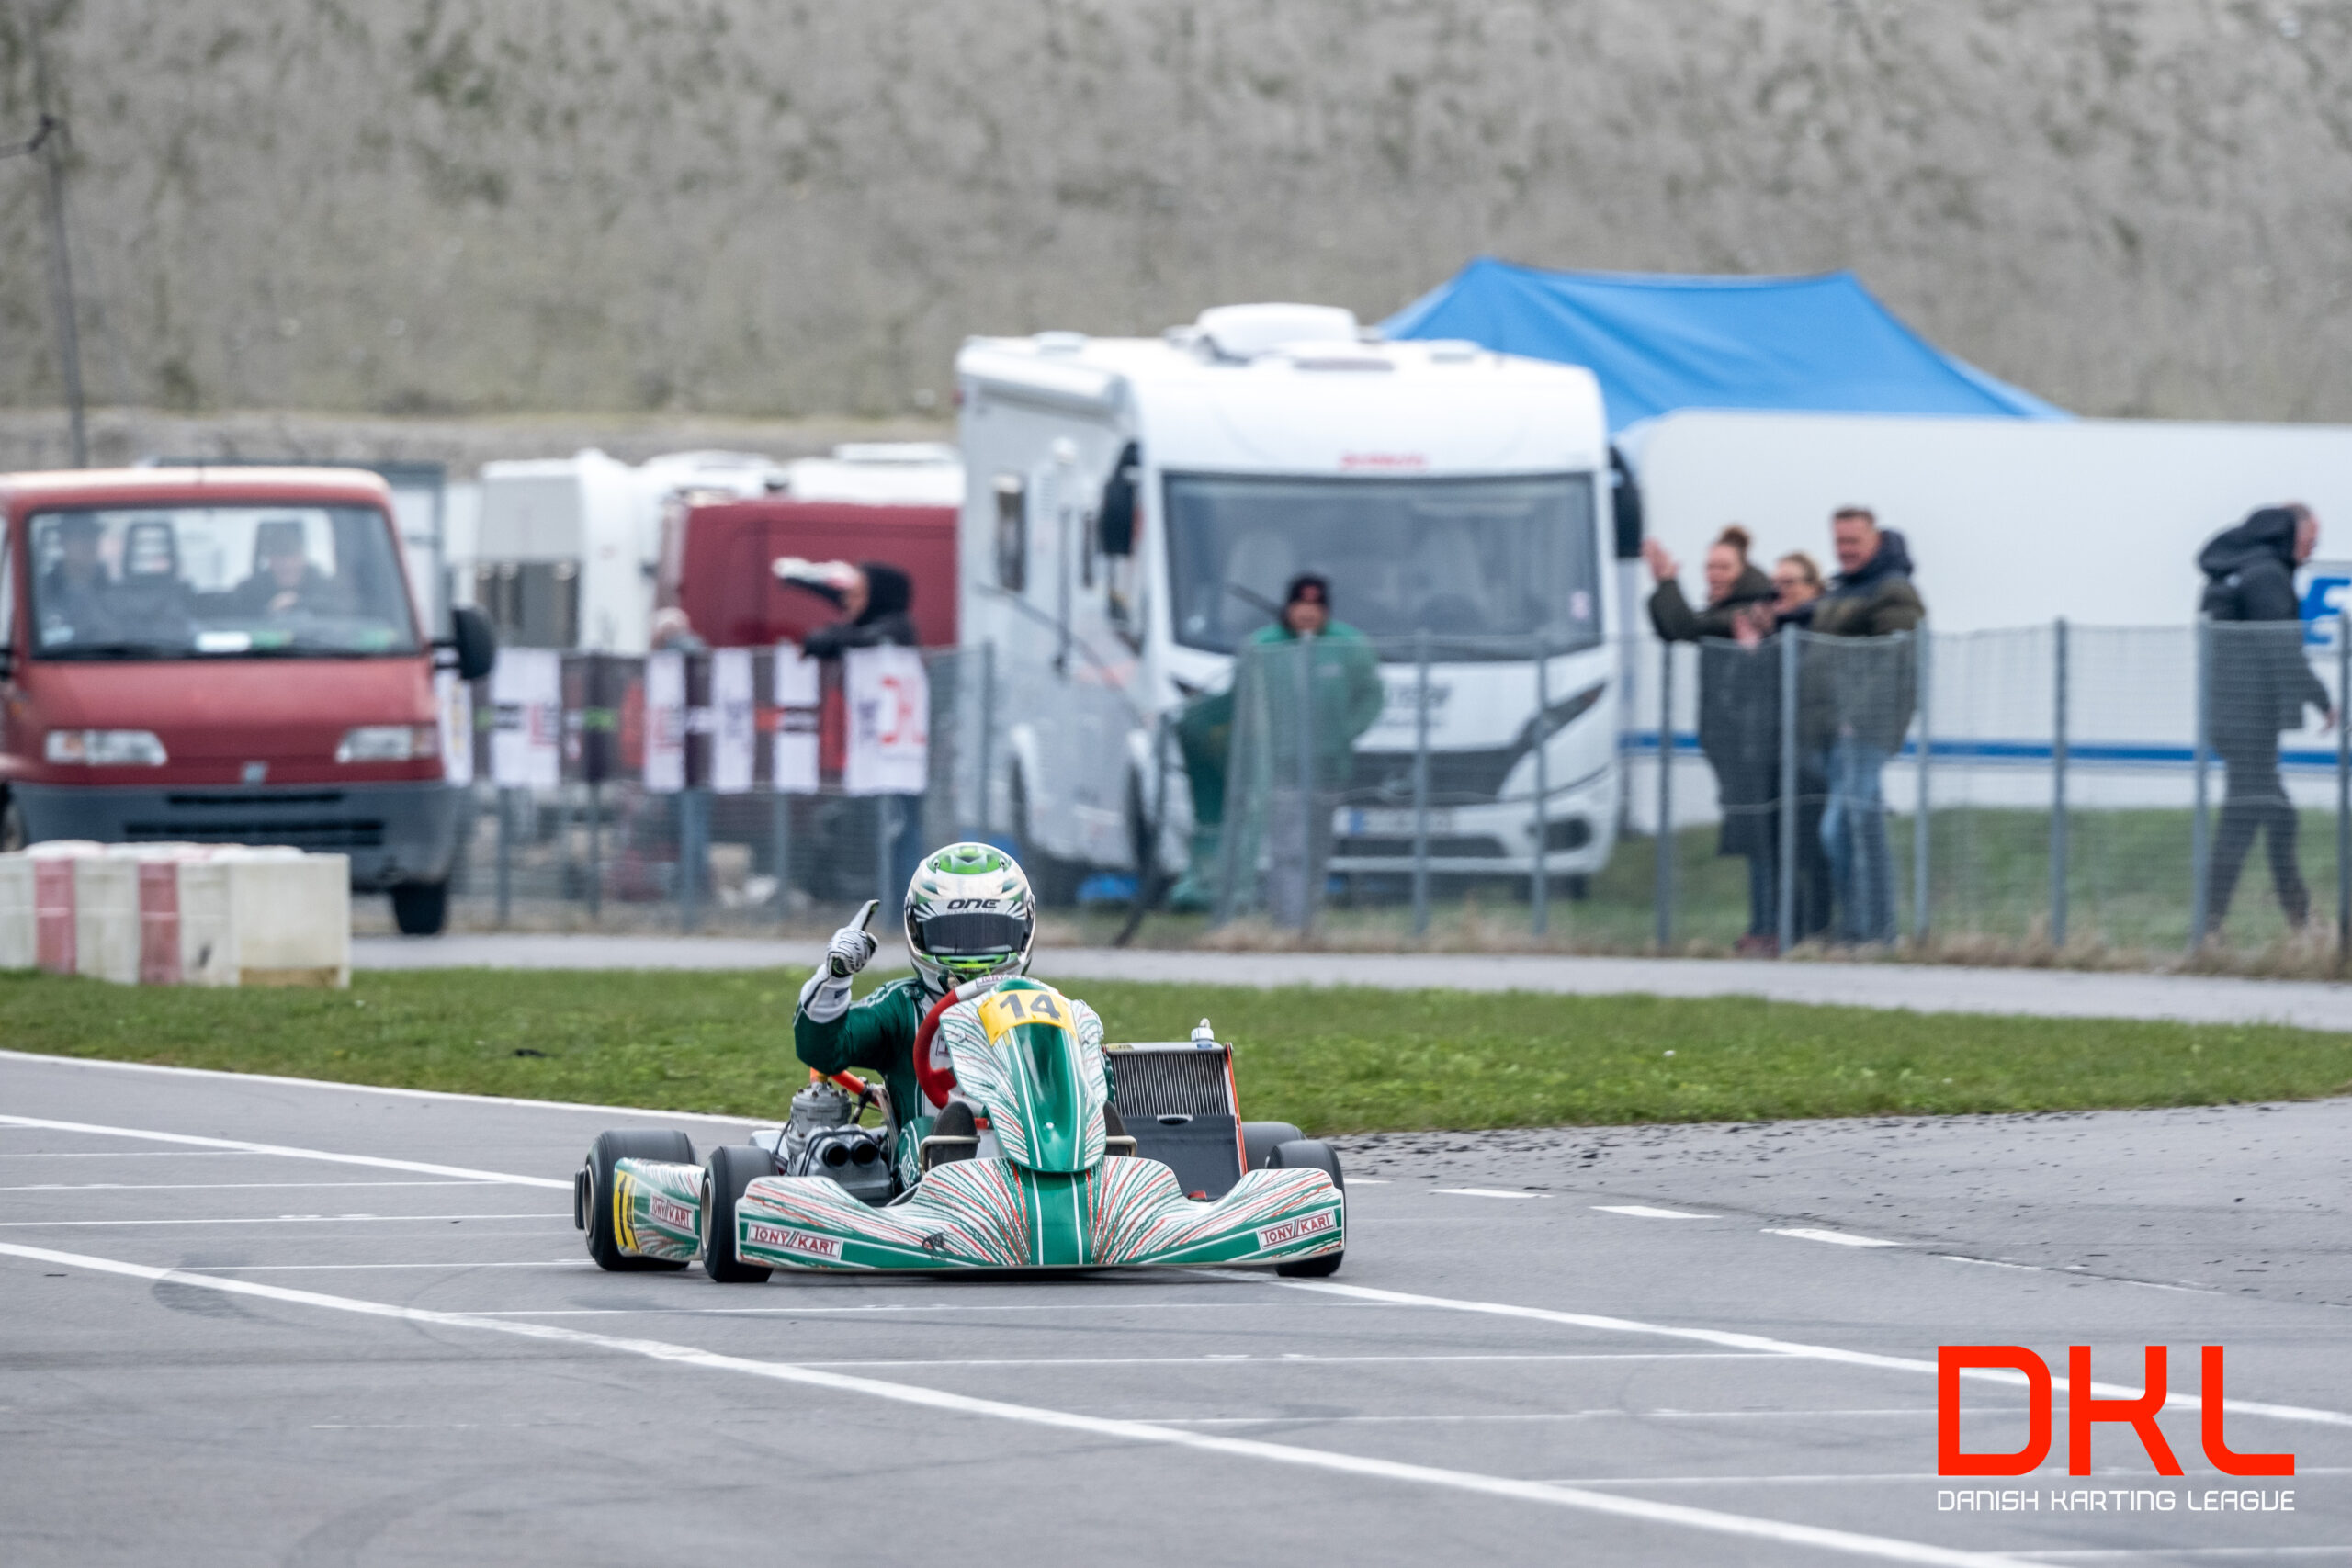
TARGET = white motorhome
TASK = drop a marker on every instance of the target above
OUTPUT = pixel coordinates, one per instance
(1442, 488)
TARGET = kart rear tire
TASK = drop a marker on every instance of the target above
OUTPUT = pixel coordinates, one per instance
(1308, 1153)
(1261, 1138)
(670, 1148)
(733, 1167)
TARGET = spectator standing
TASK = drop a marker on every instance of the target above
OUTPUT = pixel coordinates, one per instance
(1796, 588)
(1343, 699)
(1855, 707)
(1738, 708)
(2260, 685)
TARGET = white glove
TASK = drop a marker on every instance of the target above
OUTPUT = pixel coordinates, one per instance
(852, 947)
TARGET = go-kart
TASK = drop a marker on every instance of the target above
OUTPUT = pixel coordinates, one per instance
(1024, 1165)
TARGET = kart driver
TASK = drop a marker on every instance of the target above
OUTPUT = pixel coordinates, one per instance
(968, 914)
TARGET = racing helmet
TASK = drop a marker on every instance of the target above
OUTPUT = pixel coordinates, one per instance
(969, 913)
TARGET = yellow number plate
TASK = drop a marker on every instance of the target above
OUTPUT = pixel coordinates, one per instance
(1002, 1012)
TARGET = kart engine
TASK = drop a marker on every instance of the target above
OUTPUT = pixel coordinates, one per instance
(824, 1139)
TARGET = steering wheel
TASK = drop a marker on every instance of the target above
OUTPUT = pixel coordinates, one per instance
(938, 1083)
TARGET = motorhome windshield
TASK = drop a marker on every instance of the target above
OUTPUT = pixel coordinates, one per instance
(1484, 566)
(217, 581)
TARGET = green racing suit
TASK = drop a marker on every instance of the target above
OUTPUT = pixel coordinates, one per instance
(877, 1033)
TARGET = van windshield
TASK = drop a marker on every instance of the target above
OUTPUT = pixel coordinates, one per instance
(1484, 566)
(218, 581)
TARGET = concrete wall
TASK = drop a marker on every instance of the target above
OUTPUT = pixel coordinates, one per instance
(763, 208)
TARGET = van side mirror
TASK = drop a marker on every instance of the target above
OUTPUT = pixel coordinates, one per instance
(1114, 521)
(475, 642)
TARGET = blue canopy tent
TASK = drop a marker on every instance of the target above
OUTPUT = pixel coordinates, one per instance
(1659, 342)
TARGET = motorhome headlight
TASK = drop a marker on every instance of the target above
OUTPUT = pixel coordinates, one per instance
(389, 743)
(105, 748)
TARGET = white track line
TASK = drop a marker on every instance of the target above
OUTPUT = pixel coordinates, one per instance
(1253, 1363)
(1645, 1510)
(1482, 1193)
(284, 1151)
(266, 1220)
(1644, 1212)
(223, 1186)
(349, 1268)
(1908, 1412)
(1730, 1340)
(1835, 1238)
(330, 1084)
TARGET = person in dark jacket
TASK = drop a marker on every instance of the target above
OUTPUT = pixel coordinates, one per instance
(876, 597)
(1854, 704)
(2260, 685)
(1797, 588)
(1738, 709)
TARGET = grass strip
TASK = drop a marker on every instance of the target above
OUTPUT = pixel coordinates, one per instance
(1334, 1060)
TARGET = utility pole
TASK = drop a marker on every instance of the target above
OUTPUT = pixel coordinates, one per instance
(49, 144)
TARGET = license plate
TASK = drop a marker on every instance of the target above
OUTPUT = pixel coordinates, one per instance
(1387, 822)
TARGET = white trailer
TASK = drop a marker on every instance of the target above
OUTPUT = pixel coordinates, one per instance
(1442, 487)
(565, 549)
(2011, 523)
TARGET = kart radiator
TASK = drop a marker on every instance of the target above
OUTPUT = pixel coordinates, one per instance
(1177, 1103)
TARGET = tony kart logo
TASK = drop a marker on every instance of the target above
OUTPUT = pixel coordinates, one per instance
(669, 1213)
(1296, 1230)
(777, 1238)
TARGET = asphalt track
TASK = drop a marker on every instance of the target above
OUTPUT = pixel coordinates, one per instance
(1923, 987)
(252, 1320)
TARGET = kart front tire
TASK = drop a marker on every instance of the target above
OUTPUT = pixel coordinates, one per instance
(1307, 1154)
(733, 1167)
(608, 1150)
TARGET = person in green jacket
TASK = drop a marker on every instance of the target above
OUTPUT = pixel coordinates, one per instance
(1343, 699)
(969, 913)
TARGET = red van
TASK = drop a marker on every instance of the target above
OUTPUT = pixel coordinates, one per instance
(226, 656)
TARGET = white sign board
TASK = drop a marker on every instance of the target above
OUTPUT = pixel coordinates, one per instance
(888, 701)
(665, 723)
(797, 693)
(733, 735)
(455, 699)
(526, 690)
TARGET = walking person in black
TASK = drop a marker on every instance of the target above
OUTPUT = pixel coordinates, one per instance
(2260, 685)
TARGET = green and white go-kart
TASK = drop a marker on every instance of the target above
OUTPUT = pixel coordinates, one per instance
(1042, 1180)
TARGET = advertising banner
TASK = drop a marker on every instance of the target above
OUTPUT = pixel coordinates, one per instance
(797, 694)
(733, 733)
(665, 723)
(455, 700)
(888, 699)
(526, 691)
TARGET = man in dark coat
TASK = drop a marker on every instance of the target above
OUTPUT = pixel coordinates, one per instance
(1855, 703)
(2260, 685)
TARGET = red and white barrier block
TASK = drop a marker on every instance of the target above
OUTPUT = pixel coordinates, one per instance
(177, 914)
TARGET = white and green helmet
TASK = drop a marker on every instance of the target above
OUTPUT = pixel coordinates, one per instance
(969, 913)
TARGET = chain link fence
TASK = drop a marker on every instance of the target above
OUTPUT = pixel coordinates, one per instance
(2052, 794)
(689, 792)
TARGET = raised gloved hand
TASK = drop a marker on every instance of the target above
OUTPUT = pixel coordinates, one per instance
(826, 996)
(852, 946)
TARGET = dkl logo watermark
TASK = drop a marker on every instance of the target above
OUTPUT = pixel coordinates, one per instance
(2084, 1411)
